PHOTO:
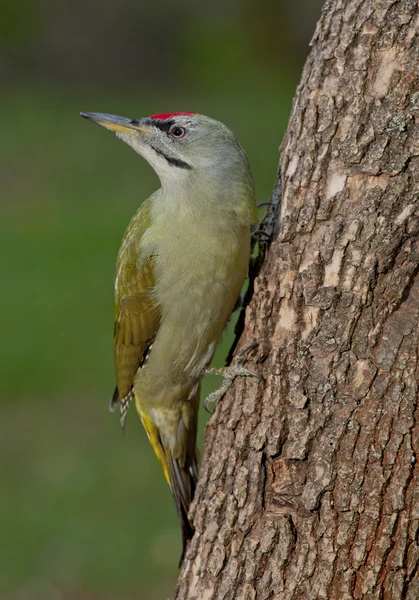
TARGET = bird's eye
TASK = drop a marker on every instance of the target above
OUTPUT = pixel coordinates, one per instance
(177, 132)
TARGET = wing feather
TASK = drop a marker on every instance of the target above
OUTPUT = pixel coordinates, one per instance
(137, 316)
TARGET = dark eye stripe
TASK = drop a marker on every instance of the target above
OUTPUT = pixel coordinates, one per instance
(163, 125)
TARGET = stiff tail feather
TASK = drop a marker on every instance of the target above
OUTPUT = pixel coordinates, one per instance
(177, 454)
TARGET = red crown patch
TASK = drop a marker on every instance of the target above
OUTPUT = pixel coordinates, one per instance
(170, 115)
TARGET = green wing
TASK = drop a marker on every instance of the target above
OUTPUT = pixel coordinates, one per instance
(137, 316)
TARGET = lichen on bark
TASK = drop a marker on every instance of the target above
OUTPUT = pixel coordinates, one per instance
(309, 485)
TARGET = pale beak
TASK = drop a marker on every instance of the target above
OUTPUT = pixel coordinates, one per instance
(115, 123)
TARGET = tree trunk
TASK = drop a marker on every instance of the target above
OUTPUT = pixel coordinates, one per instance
(309, 485)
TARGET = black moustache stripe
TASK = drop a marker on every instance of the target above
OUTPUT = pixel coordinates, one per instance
(176, 162)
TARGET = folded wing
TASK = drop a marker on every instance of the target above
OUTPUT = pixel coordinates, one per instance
(137, 316)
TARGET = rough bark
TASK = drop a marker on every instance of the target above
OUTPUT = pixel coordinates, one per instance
(309, 485)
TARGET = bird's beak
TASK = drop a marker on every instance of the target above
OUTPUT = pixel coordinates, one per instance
(115, 123)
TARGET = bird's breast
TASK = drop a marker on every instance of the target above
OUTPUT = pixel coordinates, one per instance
(198, 276)
(200, 268)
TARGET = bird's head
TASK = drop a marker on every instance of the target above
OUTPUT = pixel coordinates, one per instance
(181, 145)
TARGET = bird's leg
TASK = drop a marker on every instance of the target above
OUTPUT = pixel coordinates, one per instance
(229, 374)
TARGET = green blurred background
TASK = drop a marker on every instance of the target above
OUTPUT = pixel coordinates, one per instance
(85, 513)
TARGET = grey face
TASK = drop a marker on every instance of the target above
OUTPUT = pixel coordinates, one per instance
(169, 138)
(177, 145)
(191, 143)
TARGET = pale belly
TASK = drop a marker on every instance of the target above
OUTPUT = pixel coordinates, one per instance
(197, 286)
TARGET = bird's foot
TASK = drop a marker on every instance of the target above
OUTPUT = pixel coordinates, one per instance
(259, 233)
(259, 236)
(229, 374)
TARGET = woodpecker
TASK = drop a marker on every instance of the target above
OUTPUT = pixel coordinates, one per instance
(179, 272)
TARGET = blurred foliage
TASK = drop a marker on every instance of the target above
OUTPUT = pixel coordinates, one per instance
(85, 513)
(75, 41)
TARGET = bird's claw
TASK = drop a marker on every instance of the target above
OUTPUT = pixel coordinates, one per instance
(261, 233)
(229, 374)
(265, 204)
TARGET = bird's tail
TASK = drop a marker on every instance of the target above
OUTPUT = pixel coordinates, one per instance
(174, 442)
